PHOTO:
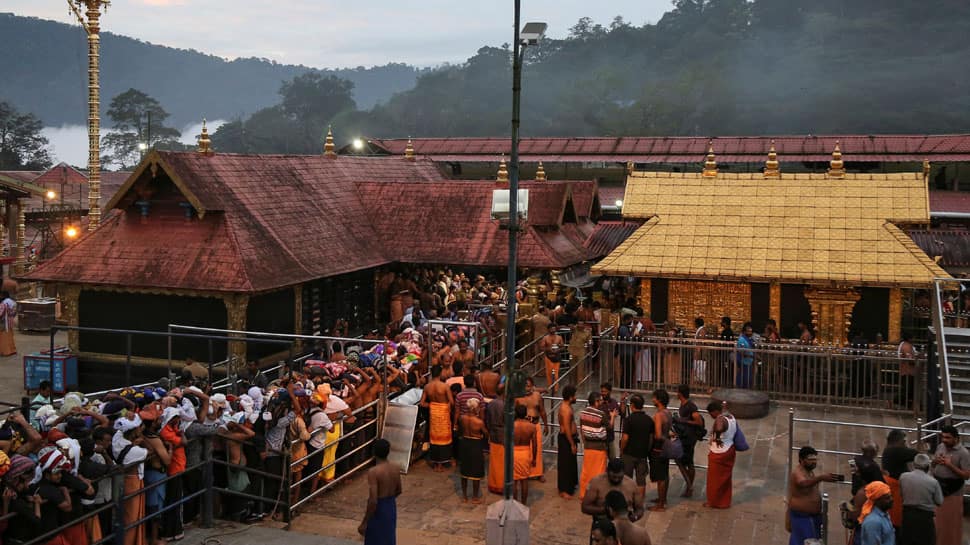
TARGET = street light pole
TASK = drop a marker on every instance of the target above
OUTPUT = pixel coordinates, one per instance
(511, 363)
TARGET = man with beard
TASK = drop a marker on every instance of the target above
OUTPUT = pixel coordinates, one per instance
(804, 497)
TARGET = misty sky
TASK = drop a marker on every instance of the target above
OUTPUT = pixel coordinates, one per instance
(336, 34)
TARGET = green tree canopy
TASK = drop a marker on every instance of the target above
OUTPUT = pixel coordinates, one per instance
(137, 119)
(22, 146)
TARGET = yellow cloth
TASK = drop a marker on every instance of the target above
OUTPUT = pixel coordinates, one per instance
(496, 467)
(330, 453)
(874, 491)
(594, 463)
(523, 461)
(440, 423)
(134, 510)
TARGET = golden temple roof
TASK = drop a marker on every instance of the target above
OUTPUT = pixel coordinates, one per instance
(798, 228)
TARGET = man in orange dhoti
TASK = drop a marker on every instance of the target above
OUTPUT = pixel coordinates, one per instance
(551, 347)
(438, 399)
(524, 439)
(535, 414)
(495, 420)
(593, 422)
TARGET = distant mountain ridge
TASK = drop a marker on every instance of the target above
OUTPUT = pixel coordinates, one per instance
(44, 69)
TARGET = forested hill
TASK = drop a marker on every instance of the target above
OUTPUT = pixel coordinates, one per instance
(43, 70)
(713, 67)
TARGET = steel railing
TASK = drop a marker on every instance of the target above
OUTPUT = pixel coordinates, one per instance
(942, 352)
(817, 374)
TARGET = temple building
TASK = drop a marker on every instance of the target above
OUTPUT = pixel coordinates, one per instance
(827, 249)
(285, 243)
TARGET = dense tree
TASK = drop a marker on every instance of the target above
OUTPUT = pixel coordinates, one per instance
(22, 146)
(311, 100)
(137, 120)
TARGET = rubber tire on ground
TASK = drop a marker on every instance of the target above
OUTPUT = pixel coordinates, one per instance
(743, 404)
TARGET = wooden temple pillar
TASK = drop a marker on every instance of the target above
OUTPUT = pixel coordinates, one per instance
(895, 329)
(643, 298)
(832, 313)
(774, 302)
(70, 294)
(236, 306)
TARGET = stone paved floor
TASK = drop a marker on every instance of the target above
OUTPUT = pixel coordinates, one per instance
(429, 510)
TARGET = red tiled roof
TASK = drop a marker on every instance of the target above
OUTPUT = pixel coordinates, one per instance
(288, 219)
(21, 175)
(950, 201)
(951, 246)
(434, 223)
(585, 199)
(74, 191)
(272, 221)
(608, 235)
(729, 149)
(163, 252)
(610, 194)
(62, 173)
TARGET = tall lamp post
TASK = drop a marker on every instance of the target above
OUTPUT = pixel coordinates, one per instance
(529, 35)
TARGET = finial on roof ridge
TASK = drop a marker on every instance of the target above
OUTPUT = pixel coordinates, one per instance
(710, 165)
(409, 150)
(205, 143)
(329, 149)
(926, 169)
(836, 165)
(771, 165)
(540, 173)
(503, 171)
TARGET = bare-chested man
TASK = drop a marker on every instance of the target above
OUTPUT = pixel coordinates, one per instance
(465, 357)
(536, 414)
(568, 475)
(384, 486)
(526, 452)
(804, 497)
(488, 381)
(471, 458)
(618, 511)
(438, 400)
(551, 347)
(594, 502)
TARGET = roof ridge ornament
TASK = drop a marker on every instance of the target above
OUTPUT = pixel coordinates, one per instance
(205, 143)
(710, 165)
(926, 170)
(836, 166)
(329, 150)
(540, 173)
(771, 165)
(503, 171)
(409, 151)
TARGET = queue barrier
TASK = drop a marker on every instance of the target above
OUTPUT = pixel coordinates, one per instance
(851, 377)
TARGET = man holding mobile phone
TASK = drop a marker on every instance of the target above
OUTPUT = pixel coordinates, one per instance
(805, 498)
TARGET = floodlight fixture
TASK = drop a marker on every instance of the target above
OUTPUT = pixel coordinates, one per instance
(531, 33)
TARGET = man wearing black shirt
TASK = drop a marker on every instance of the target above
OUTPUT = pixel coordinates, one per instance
(690, 428)
(636, 443)
(897, 457)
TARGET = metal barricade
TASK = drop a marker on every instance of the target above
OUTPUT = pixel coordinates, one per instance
(815, 374)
